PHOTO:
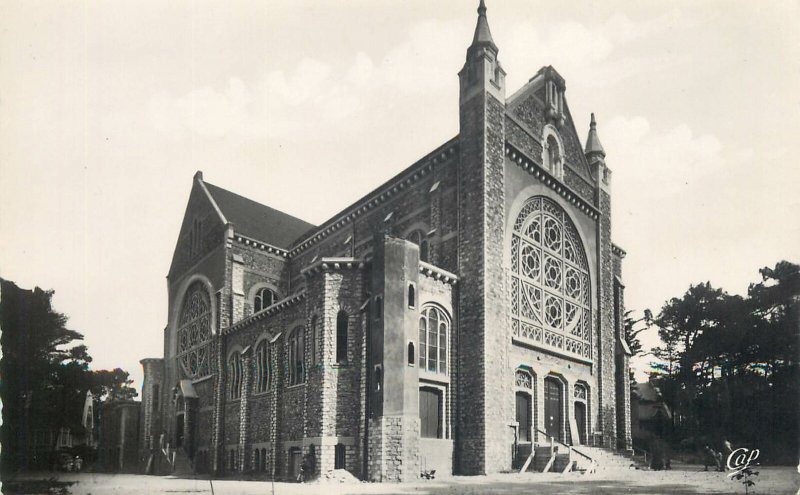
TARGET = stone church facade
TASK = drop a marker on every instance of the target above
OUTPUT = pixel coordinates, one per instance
(463, 312)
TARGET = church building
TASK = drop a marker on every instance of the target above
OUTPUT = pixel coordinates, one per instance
(459, 316)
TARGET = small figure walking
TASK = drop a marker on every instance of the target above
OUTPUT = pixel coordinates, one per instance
(301, 477)
(727, 450)
(711, 456)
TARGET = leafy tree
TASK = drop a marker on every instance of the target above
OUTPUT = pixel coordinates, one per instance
(44, 373)
(632, 332)
(728, 365)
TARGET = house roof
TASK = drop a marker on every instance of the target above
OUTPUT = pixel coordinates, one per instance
(260, 222)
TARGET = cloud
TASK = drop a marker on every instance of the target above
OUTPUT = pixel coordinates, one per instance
(597, 56)
(659, 164)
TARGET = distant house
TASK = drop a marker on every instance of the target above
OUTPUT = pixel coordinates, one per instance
(650, 415)
(49, 442)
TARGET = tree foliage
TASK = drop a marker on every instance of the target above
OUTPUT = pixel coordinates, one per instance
(728, 365)
(45, 373)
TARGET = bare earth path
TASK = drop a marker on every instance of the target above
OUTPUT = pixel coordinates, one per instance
(772, 480)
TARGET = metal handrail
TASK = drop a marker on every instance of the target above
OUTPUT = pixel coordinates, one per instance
(569, 447)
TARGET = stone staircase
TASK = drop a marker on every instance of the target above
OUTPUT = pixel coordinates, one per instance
(183, 465)
(605, 460)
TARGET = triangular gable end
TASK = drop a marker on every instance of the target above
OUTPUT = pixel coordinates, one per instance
(201, 230)
(526, 111)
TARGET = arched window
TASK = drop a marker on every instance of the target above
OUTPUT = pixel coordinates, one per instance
(314, 339)
(418, 238)
(553, 153)
(264, 298)
(411, 358)
(434, 329)
(412, 299)
(341, 337)
(550, 302)
(235, 376)
(256, 459)
(524, 381)
(263, 380)
(378, 378)
(378, 307)
(295, 363)
(194, 332)
(263, 466)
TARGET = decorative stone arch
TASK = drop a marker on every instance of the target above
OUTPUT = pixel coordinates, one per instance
(553, 159)
(178, 303)
(587, 238)
(581, 406)
(581, 268)
(525, 383)
(194, 351)
(251, 294)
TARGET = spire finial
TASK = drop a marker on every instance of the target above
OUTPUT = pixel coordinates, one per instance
(483, 36)
(593, 146)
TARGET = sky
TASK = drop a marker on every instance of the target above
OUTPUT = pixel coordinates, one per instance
(108, 108)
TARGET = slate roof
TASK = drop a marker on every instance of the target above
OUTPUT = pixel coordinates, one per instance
(257, 221)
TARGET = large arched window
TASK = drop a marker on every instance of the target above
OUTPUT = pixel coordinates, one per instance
(235, 375)
(194, 332)
(263, 357)
(295, 357)
(434, 328)
(550, 291)
(264, 298)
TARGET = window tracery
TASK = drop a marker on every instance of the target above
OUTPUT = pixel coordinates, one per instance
(523, 379)
(550, 302)
(194, 332)
(434, 328)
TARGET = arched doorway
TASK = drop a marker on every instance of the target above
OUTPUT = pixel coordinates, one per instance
(553, 406)
(180, 419)
(579, 406)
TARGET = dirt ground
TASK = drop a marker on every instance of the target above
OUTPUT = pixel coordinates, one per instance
(686, 481)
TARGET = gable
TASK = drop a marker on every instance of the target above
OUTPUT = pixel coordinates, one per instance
(527, 116)
(202, 230)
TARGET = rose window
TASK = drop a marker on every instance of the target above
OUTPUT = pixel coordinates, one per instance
(194, 332)
(550, 291)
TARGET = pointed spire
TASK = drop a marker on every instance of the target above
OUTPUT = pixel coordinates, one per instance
(483, 35)
(593, 146)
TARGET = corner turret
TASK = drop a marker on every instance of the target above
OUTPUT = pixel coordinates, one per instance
(482, 70)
